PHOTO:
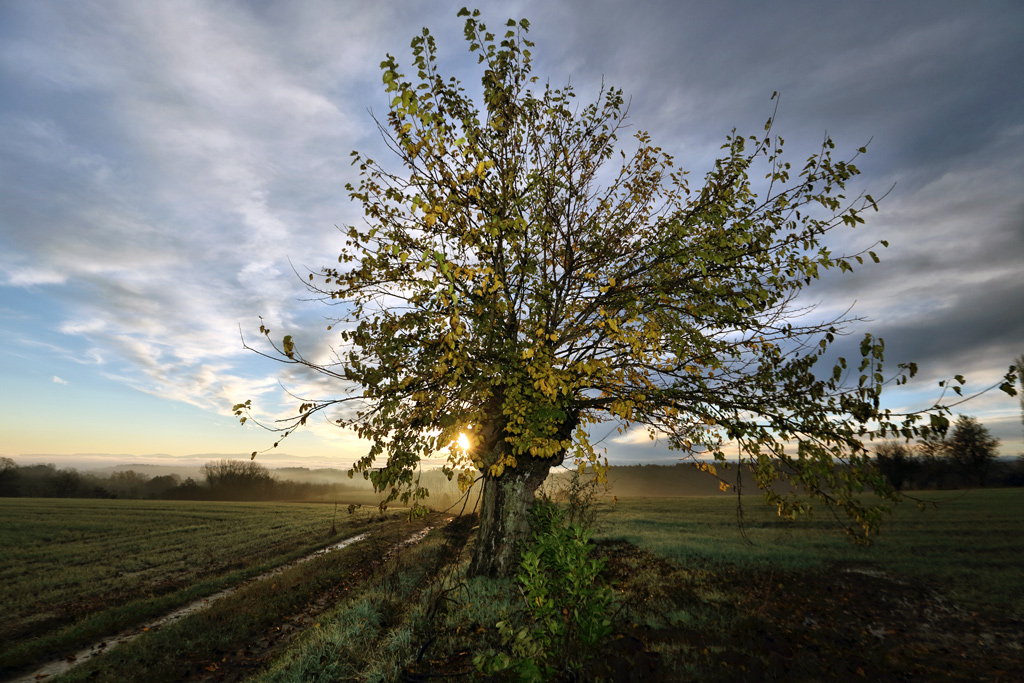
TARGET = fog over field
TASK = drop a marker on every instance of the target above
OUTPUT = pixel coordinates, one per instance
(169, 171)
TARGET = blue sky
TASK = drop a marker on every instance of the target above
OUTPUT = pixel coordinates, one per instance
(165, 165)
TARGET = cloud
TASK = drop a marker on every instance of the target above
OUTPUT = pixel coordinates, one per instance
(162, 169)
(58, 380)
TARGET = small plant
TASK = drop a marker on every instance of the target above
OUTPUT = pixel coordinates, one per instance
(567, 606)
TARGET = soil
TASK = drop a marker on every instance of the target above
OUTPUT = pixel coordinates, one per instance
(263, 648)
(840, 623)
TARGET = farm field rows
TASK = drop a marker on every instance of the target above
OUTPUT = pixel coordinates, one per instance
(939, 592)
(74, 570)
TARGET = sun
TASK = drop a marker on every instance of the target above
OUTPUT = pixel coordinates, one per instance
(463, 442)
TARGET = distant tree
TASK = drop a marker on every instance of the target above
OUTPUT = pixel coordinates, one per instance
(127, 483)
(895, 461)
(66, 483)
(932, 454)
(1016, 474)
(238, 479)
(190, 489)
(933, 443)
(972, 449)
(1019, 366)
(9, 476)
(34, 480)
(519, 280)
(159, 487)
(129, 476)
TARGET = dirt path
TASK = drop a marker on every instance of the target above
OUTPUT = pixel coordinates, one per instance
(265, 642)
(264, 647)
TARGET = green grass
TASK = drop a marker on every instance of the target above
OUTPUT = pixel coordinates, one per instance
(371, 635)
(75, 570)
(970, 543)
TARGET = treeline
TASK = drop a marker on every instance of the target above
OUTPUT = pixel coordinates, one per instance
(221, 480)
(965, 457)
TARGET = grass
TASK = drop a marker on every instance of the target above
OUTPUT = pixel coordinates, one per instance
(695, 601)
(242, 631)
(77, 570)
(969, 542)
(377, 630)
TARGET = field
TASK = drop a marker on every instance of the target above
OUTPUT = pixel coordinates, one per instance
(74, 570)
(939, 594)
(969, 542)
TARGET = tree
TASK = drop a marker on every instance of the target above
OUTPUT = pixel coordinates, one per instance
(895, 462)
(8, 477)
(932, 451)
(519, 280)
(972, 449)
(66, 483)
(238, 480)
(161, 486)
(1019, 367)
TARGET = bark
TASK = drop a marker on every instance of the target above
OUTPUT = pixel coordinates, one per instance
(504, 518)
(506, 500)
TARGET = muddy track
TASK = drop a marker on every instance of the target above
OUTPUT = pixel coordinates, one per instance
(266, 646)
(262, 647)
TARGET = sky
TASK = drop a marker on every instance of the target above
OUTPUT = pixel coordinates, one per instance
(168, 169)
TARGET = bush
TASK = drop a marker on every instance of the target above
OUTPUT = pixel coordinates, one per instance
(567, 608)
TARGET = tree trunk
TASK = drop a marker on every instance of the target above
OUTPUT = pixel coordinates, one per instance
(504, 517)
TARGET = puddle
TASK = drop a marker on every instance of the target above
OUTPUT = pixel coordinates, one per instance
(59, 666)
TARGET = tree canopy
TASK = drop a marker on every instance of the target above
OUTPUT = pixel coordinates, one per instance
(972, 448)
(524, 274)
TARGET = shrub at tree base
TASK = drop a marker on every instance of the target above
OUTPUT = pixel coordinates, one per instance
(568, 608)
